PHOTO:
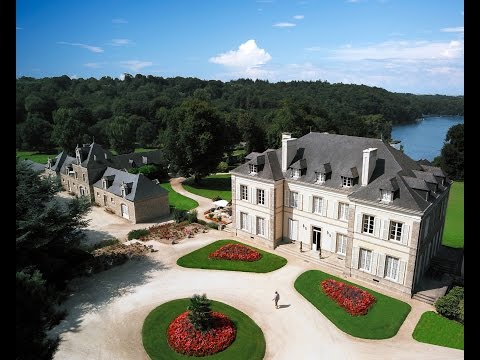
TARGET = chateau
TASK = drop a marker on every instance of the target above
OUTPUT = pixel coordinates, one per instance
(371, 206)
(104, 179)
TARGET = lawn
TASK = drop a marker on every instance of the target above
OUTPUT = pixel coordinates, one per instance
(453, 231)
(435, 329)
(249, 342)
(381, 322)
(211, 186)
(34, 156)
(178, 200)
(199, 259)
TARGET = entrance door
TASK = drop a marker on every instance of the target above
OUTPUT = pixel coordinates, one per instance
(105, 200)
(125, 211)
(293, 229)
(316, 238)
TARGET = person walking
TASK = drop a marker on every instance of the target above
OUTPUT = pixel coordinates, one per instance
(276, 298)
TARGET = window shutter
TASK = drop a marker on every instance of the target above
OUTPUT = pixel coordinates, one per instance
(267, 197)
(385, 229)
(267, 233)
(286, 199)
(401, 270)
(253, 228)
(359, 223)
(238, 221)
(335, 210)
(374, 266)
(333, 243)
(355, 253)
(405, 234)
(324, 207)
(254, 196)
(376, 227)
(310, 203)
(300, 201)
(381, 265)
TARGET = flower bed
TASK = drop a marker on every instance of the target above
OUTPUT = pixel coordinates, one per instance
(183, 338)
(354, 300)
(236, 252)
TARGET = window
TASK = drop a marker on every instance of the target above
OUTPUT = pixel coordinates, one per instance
(317, 205)
(347, 181)
(260, 226)
(261, 196)
(296, 173)
(104, 184)
(320, 178)
(391, 268)
(243, 192)
(294, 199)
(98, 194)
(341, 244)
(83, 177)
(343, 211)
(253, 169)
(365, 259)
(243, 221)
(123, 192)
(112, 201)
(76, 175)
(368, 221)
(386, 195)
(395, 231)
(82, 191)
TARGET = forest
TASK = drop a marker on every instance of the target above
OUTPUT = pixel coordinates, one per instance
(146, 111)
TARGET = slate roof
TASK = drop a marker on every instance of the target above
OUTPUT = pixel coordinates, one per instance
(141, 187)
(34, 165)
(344, 156)
(127, 161)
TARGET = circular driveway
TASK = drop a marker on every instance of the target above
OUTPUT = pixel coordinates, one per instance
(106, 311)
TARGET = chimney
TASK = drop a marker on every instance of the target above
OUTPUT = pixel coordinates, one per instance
(289, 150)
(368, 165)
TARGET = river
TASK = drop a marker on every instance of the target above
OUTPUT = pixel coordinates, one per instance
(424, 138)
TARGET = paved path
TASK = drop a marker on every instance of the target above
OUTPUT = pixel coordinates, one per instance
(203, 202)
(106, 311)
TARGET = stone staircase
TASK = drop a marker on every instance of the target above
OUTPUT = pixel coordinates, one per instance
(426, 298)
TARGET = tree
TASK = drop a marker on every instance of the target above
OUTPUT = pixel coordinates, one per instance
(68, 129)
(452, 154)
(35, 133)
(121, 134)
(193, 142)
(146, 134)
(200, 314)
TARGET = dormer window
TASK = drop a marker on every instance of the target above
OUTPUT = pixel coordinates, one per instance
(79, 159)
(347, 181)
(387, 196)
(106, 156)
(253, 169)
(123, 192)
(104, 183)
(296, 173)
(320, 178)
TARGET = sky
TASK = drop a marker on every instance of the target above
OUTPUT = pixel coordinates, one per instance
(399, 45)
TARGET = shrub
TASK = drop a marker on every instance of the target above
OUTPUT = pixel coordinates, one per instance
(237, 252)
(212, 225)
(456, 292)
(354, 300)
(104, 243)
(210, 215)
(216, 198)
(137, 234)
(200, 314)
(222, 167)
(201, 222)
(447, 306)
(179, 215)
(192, 216)
(460, 311)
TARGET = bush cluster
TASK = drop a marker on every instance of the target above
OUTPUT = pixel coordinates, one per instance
(451, 305)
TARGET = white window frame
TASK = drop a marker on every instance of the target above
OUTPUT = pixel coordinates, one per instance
(368, 224)
(296, 173)
(293, 201)
(343, 211)
(244, 221)
(320, 178)
(260, 226)
(253, 169)
(386, 196)
(347, 181)
(341, 245)
(82, 191)
(123, 192)
(392, 266)
(112, 200)
(104, 183)
(395, 231)
(365, 260)
(261, 196)
(83, 177)
(244, 192)
(317, 205)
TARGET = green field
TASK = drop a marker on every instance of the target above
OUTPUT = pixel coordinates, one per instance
(199, 259)
(211, 186)
(248, 344)
(381, 322)
(453, 231)
(435, 329)
(177, 200)
(35, 156)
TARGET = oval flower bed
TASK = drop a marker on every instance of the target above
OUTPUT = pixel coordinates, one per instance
(185, 339)
(236, 252)
(353, 299)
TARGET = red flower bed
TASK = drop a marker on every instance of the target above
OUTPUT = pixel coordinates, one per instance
(184, 339)
(236, 252)
(353, 299)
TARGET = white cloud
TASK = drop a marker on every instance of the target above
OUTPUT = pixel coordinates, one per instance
(458, 29)
(74, 76)
(314, 48)
(284, 24)
(19, 28)
(121, 76)
(353, 1)
(119, 21)
(135, 65)
(120, 42)
(94, 49)
(299, 17)
(248, 55)
(94, 65)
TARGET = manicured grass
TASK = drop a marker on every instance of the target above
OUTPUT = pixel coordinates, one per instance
(178, 200)
(249, 342)
(136, 150)
(435, 329)
(35, 156)
(199, 259)
(453, 231)
(211, 186)
(381, 322)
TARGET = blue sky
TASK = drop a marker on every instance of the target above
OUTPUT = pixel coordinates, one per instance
(400, 45)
